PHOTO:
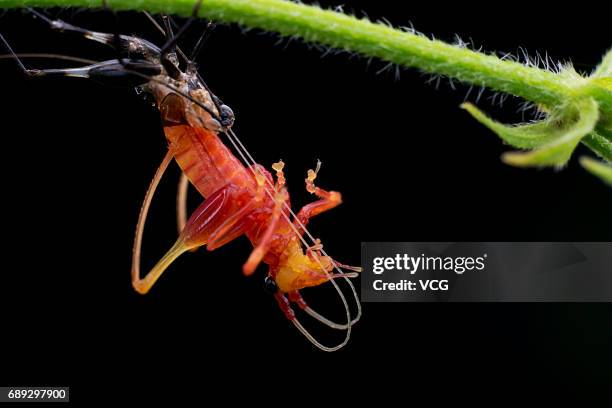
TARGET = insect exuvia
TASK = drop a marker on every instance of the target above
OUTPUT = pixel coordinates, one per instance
(241, 197)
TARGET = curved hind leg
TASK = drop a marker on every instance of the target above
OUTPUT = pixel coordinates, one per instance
(181, 202)
(143, 285)
(217, 216)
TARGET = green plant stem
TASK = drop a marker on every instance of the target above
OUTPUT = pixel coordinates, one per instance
(597, 168)
(369, 39)
(357, 35)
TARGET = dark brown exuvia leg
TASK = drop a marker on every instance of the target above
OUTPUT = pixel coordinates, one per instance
(119, 42)
(122, 72)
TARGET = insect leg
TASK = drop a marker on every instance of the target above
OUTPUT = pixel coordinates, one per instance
(297, 298)
(285, 307)
(143, 285)
(198, 47)
(209, 26)
(111, 72)
(22, 67)
(327, 200)
(116, 35)
(264, 244)
(233, 226)
(181, 202)
(167, 54)
(62, 26)
(113, 40)
(172, 39)
(133, 72)
(205, 220)
(77, 72)
(280, 176)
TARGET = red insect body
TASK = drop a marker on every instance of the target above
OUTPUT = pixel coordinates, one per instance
(239, 201)
(205, 160)
(231, 191)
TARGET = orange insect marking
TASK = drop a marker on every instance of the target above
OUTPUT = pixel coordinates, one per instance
(280, 176)
(310, 178)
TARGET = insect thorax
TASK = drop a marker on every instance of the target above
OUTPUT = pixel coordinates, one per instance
(184, 101)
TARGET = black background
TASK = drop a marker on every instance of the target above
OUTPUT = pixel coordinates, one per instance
(78, 157)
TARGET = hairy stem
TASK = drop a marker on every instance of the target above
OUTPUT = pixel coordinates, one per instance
(361, 36)
(357, 35)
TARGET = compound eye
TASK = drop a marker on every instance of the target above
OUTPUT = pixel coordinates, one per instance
(269, 286)
(227, 116)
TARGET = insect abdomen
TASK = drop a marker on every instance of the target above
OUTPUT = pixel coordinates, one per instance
(206, 161)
